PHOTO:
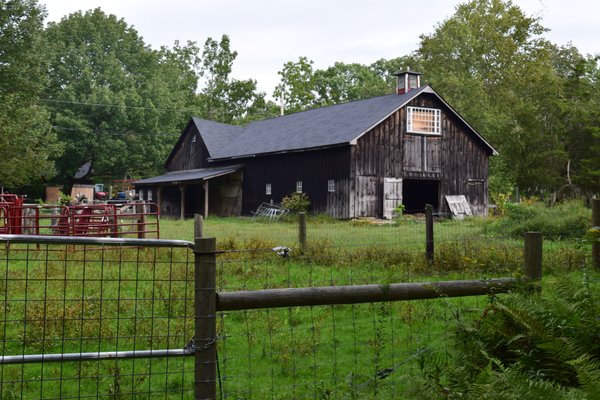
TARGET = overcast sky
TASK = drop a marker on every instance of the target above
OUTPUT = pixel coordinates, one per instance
(268, 33)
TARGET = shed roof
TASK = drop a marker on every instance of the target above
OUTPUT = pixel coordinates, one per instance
(188, 176)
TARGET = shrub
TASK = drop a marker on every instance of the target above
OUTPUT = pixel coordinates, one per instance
(296, 202)
(568, 220)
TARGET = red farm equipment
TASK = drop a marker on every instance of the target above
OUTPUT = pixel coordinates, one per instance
(101, 220)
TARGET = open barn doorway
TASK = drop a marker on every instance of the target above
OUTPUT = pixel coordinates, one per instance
(418, 192)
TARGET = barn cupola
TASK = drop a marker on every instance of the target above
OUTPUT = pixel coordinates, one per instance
(407, 81)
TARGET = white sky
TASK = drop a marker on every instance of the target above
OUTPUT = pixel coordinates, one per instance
(268, 33)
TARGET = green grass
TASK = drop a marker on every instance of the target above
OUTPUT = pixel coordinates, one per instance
(141, 299)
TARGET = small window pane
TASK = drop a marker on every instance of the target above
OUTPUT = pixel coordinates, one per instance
(331, 185)
(268, 189)
(423, 120)
(299, 186)
(401, 82)
(412, 80)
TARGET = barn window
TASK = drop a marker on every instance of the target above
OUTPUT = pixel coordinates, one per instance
(268, 189)
(298, 186)
(149, 194)
(141, 194)
(194, 138)
(331, 185)
(423, 120)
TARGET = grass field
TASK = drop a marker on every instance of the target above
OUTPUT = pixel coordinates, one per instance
(60, 299)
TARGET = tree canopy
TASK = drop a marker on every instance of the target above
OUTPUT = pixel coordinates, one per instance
(113, 100)
(88, 89)
(27, 144)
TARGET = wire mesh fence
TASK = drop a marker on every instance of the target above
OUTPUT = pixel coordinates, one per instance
(92, 317)
(95, 318)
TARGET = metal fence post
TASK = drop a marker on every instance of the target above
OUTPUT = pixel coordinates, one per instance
(302, 230)
(596, 223)
(429, 243)
(533, 259)
(205, 338)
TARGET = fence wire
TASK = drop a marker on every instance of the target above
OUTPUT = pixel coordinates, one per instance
(95, 320)
(114, 318)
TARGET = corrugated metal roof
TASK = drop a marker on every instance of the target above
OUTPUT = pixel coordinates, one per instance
(188, 176)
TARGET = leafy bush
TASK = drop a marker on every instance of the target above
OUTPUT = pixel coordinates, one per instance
(297, 202)
(532, 347)
(569, 220)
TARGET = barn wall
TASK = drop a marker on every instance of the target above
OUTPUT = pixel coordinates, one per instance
(189, 154)
(456, 159)
(282, 171)
(464, 159)
(377, 154)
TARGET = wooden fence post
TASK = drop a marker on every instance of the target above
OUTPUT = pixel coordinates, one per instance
(429, 241)
(533, 259)
(596, 223)
(302, 230)
(205, 324)
(198, 226)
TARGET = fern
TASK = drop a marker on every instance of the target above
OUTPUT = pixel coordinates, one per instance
(528, 347)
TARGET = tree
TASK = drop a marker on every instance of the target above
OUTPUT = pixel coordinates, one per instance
(490, 62)
(114, 101)
(346, 82)
(296, 85)
(225, 99)
(27, 143)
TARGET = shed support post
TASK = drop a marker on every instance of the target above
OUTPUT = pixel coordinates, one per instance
(205, 323)
(533, 259)
(182, 202)
(205, 185)
(158, 200)
(596, 224)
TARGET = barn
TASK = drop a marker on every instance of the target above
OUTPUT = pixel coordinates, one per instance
(357, 159)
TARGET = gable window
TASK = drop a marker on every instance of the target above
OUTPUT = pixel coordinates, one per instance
(331, 185)
(268, 189)
(423, 120)
(298, 186)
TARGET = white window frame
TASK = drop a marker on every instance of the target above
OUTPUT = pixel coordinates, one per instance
(149, 194)
(434, 121)
(331, 185)
(268, 188)
(141, 194)
(298, 186)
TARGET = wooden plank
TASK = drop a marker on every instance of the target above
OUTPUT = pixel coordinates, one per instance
(458, 205)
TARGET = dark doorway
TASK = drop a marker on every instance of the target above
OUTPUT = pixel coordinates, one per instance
(194, 200)
(170, 203)
(417, 192)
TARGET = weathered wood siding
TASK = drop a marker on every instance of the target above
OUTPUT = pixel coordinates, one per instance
(376, 155)
(314, 168)
(464, 159)
(456, 158)
(189, 153)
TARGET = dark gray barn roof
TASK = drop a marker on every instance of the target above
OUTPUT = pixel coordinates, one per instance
(317, 128)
